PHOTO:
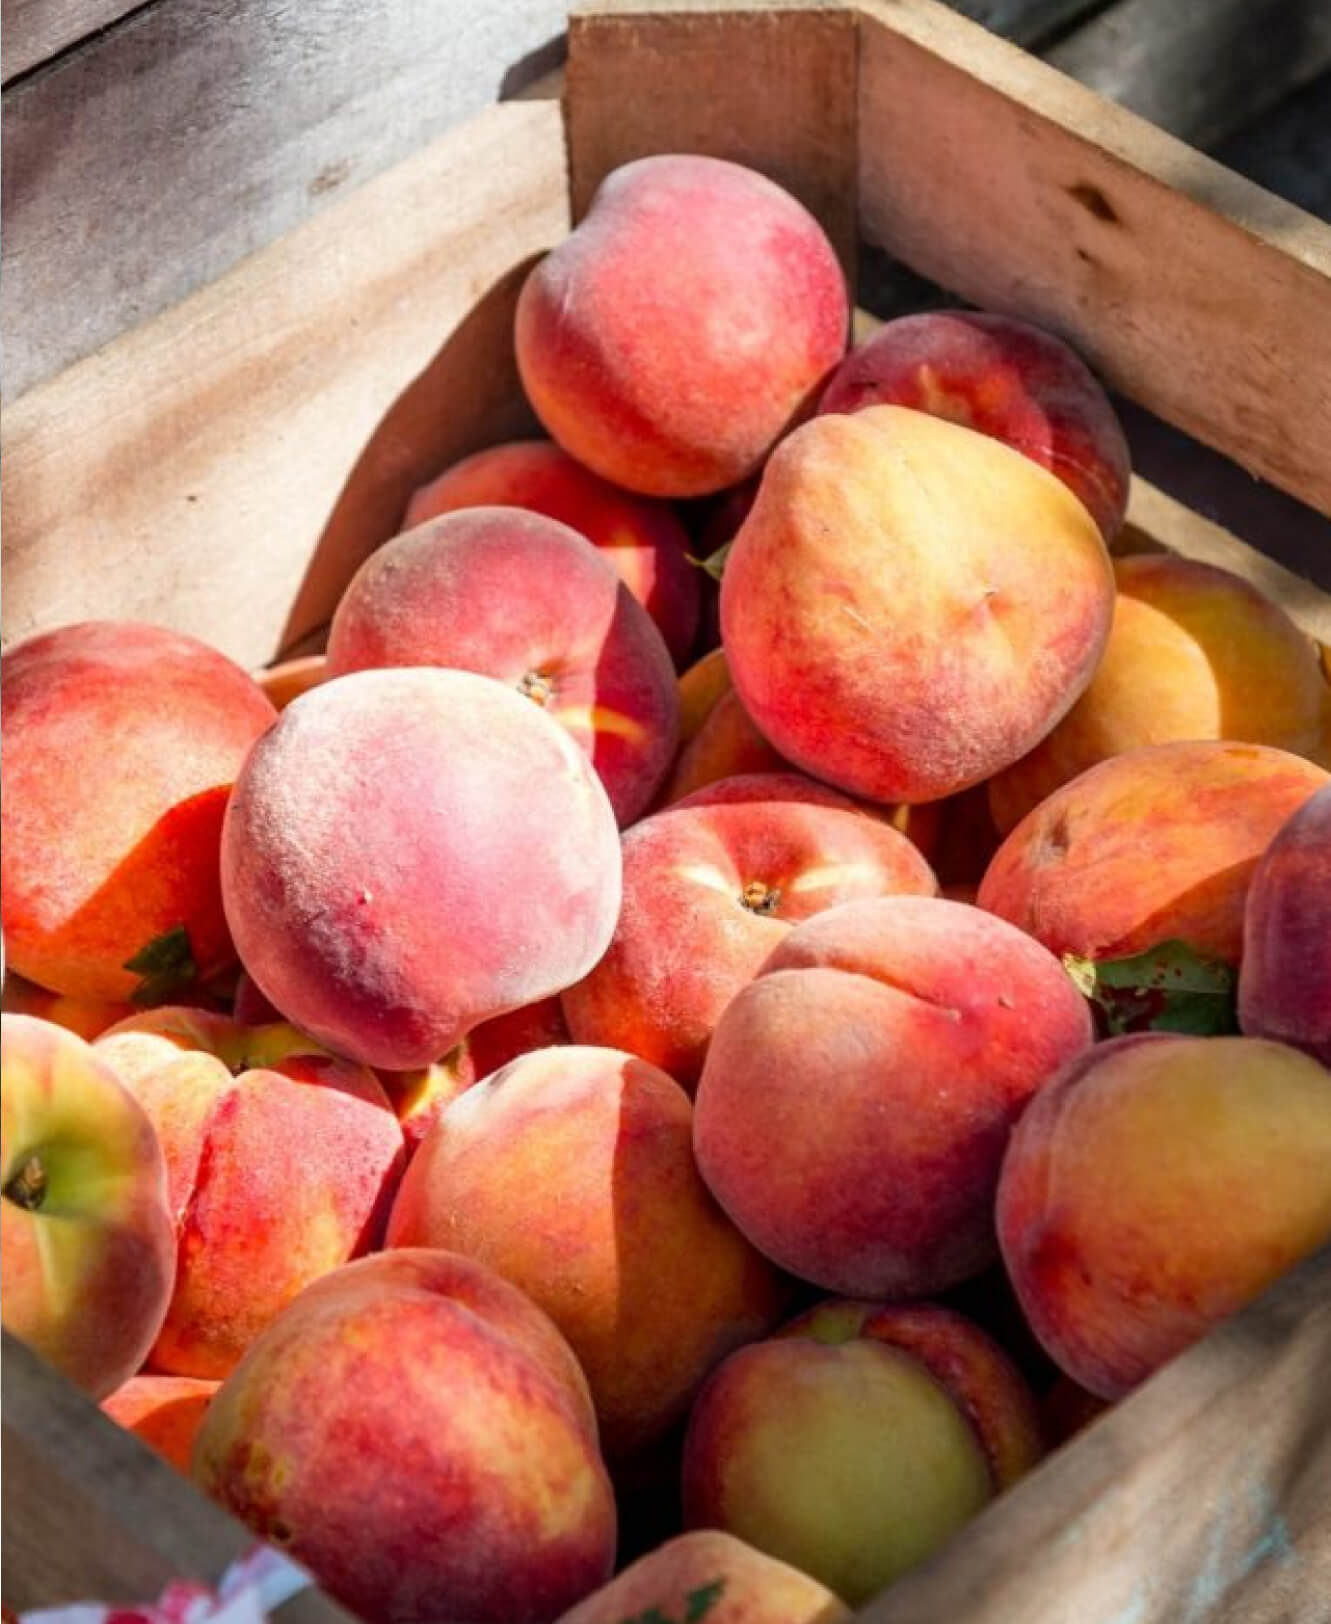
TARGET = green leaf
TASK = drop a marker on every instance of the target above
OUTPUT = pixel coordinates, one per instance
(166, 965)
(699, 1602)
(714, 564)
(1169, 988)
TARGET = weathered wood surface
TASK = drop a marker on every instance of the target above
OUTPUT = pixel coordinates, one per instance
(1199, 71)
(159, 154)
(202, 470)
(91, 1514)
(37, 29)
(1188, 288)
(1205, 1498)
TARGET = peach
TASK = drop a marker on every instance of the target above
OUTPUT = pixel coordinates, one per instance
(120, 745)
(857, 1441)
(422, 1095)
(1005, 378)
(1154, 1187)
(1285, 977)
(1194, 653)
(1153, 846)
(536, 1026)
(929, 584)
(700, 687)
(85, 1017)
(571, 1173)
(449, 1467)
(385, 802)
(669, 341)
(711, 885)
(526, 600)
(710, 1574)
(643, 540)
(166, 1412)
(858, 1095)
(726, 745)
(282, 1162)
(289, 679)
(86, 1237)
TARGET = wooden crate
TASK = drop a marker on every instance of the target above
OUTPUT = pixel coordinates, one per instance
(226, 467)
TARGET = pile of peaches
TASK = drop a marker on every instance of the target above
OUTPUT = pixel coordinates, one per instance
(472, 1084)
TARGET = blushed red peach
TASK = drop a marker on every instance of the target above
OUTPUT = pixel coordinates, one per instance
(711, 884)
(166, 1412)
(1285, 977)
(675, 334)
(282, 1162)
(1153, 846)
(1154, 1187)
(641, 539)
(570, 1172)
(910, 606)
(385, 801)
(858, 1094)
(1005, 378)
(120, 746)
(446, 1401)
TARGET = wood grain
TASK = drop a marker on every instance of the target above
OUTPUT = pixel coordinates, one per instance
(672, 82)
(223, 469)
(37, 29)
(1204, 1498)
(1189, 289)
(90, 1514)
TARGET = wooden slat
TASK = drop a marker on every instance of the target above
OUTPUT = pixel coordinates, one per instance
(1189, 289)
(1205, 1498)
(159, 154)
(1199, 71)
(188, 472)
(37, 29)
(90, 1514)
(762, 85)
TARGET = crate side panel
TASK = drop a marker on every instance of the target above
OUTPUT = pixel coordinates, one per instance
(241, 453)
(766, 86)
(1189, 289)
(1201, 1499)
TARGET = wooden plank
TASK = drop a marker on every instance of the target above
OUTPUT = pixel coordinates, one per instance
(764, 85)
(91, 1514)
(224, 468)
(1199, 72)
(38, 29)
(1204, 1498)
(1188, 288)
(154, 158)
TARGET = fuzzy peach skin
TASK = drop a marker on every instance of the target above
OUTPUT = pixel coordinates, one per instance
(858, 1095)
(449, 1468)
(1157, 1185)
(87, 1246)
(1005, 378)
(642, 540)
(1152, 846)
(910, 606)
(119, 745)
(726, 745)
(857, 1441)
(521, 598)
(1285, 977)
(738, 1584)
(711, 885)
(1194, 653)
(411, 852)
(85, 1017)
(571, 1173)
(669, 341)
(166, 1412)
(282, 1163)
